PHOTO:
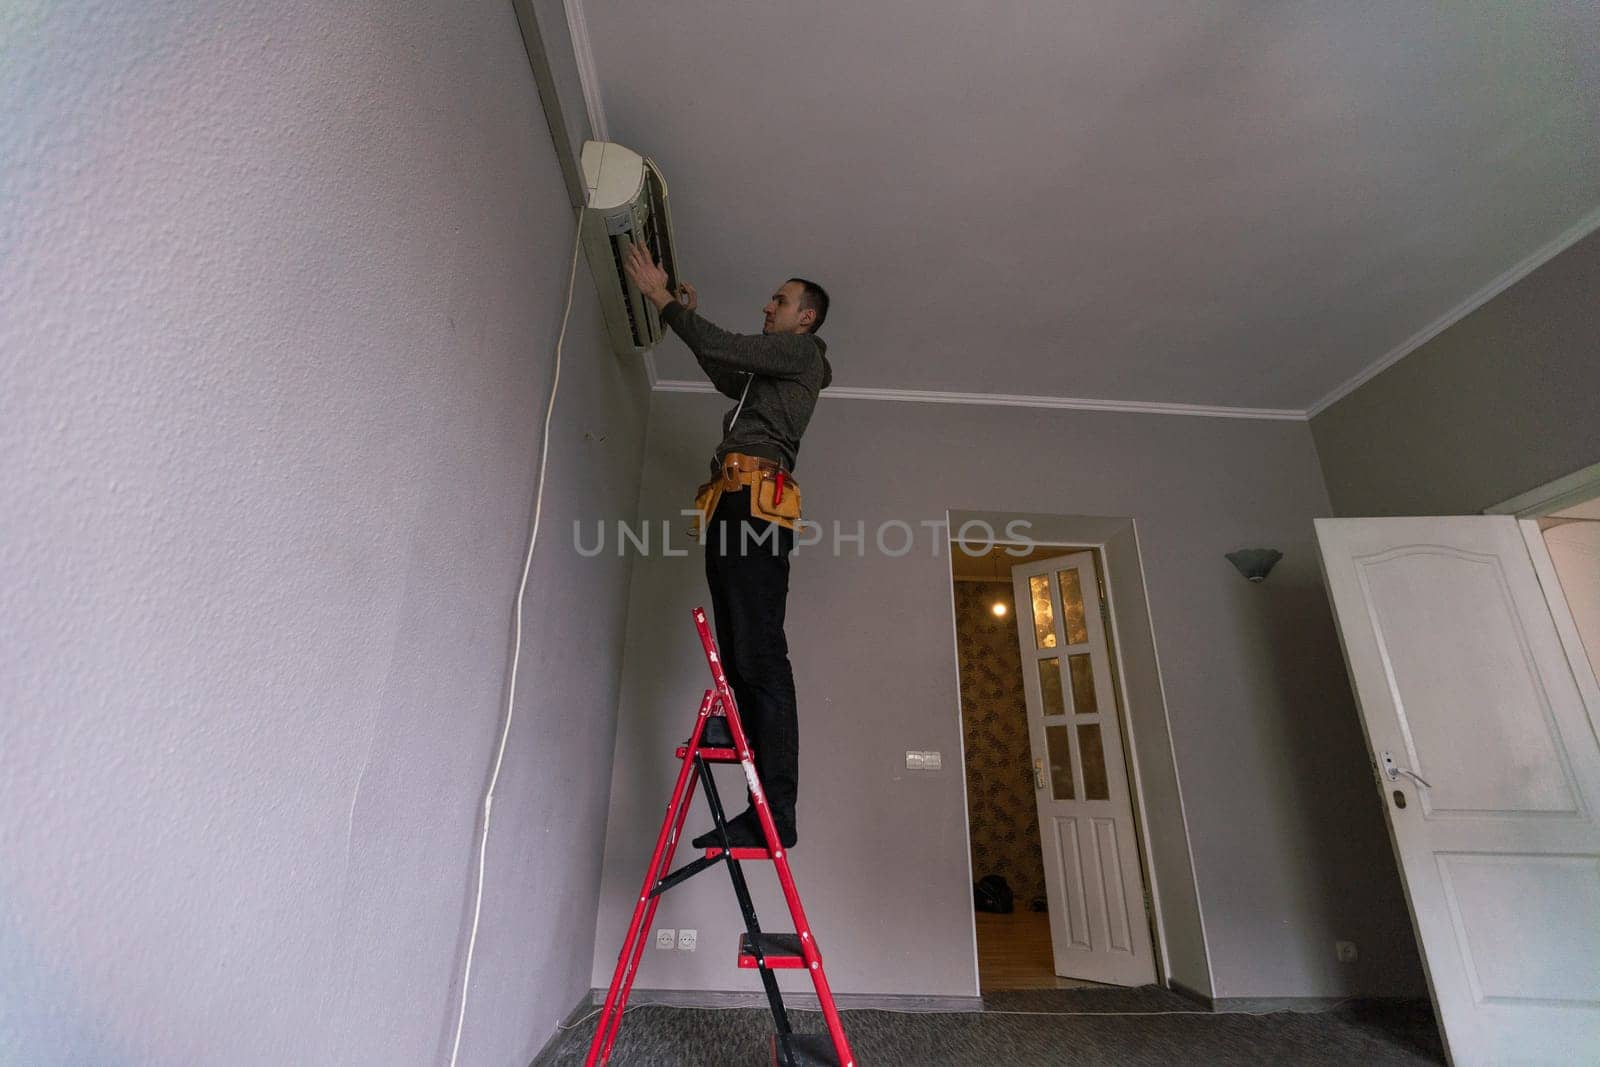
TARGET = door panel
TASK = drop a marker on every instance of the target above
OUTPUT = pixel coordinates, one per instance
(1482, 684)
(1548, 891)
(1099, 928)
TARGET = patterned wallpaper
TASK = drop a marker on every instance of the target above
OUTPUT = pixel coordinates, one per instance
(994, 715)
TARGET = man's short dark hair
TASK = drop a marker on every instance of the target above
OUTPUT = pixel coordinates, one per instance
(815, 297)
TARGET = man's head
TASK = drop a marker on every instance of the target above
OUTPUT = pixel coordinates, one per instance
(799, 306)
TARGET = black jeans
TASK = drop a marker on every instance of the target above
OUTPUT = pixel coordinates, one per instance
(747, 568)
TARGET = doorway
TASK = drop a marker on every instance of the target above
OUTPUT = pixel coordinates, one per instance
(1069, 907)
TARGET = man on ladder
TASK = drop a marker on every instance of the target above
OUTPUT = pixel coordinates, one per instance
(748, 511)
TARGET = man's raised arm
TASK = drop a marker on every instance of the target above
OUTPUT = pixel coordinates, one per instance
(775, 355)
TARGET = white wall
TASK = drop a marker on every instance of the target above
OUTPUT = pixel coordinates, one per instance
(1289, 848)
(281, 286)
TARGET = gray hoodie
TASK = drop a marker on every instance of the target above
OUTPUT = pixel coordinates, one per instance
(785, 372)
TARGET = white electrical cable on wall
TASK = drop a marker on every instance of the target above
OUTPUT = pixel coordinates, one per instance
(516, 654)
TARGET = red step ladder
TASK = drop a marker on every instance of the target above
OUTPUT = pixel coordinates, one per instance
(719, 738)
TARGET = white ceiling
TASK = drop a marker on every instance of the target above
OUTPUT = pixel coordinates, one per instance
(1237, 204)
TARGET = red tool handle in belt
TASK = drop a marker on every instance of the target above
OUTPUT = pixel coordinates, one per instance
(777, 494)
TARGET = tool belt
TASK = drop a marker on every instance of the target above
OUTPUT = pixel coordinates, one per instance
(774, 494)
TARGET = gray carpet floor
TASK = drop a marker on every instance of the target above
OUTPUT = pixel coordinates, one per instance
(1356, 1033)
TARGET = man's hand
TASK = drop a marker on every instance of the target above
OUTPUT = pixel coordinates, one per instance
(643, 272)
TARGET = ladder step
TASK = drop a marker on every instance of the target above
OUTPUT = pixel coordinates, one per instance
(741, 853)
(806, 1050)
(712, 755)
(782, 951)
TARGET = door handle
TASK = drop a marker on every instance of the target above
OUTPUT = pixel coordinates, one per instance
(1038, 774)
(1393, 771)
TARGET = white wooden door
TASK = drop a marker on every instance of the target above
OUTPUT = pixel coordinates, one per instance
(1098, 925)
(1485, 752)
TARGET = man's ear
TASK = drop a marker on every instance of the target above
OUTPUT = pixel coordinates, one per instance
(807, 318)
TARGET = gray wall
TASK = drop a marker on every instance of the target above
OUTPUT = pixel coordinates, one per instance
(282, 284)
(1289, 847)
(1503, 401)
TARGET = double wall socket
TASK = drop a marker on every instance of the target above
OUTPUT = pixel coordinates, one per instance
(683, 940)
(924, 761)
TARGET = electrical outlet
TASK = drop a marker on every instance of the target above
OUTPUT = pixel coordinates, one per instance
(686, 940)
(666, 938)
(1345, 951)
(924, 761)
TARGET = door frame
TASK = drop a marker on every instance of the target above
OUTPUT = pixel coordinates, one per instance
(1114, 640)
(1574, 488)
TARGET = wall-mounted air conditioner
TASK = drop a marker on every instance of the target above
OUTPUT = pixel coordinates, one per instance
(626, 202)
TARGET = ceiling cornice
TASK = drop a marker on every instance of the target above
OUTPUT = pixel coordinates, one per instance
(1067, 403)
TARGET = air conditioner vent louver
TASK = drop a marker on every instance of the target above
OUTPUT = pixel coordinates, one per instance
(627, 202)
(618, 250)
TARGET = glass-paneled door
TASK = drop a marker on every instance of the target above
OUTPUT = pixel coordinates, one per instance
(1098, 927)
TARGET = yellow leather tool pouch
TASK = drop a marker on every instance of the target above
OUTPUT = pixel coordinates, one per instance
(763, 505)
(705, 503)
(763, 500)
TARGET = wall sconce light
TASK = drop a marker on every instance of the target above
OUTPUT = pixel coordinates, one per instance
(999, 609)
(1255, 563)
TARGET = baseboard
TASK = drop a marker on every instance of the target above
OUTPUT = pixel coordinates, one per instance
(700, 998)
(1262, 1005)
(583, 1007)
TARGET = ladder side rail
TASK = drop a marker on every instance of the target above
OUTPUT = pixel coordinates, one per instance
(644, 931)
(644, 935)
(791, 893)
(730, 709)
(747, 908)
(660, 859)
(809, 951)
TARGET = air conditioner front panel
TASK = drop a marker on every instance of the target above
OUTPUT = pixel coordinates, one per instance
(614, 175)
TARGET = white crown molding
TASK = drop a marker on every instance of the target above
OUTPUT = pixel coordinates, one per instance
(1567, 238)
(578, 29)
(1068, 403)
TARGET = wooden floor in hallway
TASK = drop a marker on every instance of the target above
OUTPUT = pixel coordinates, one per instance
(1014, 953)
